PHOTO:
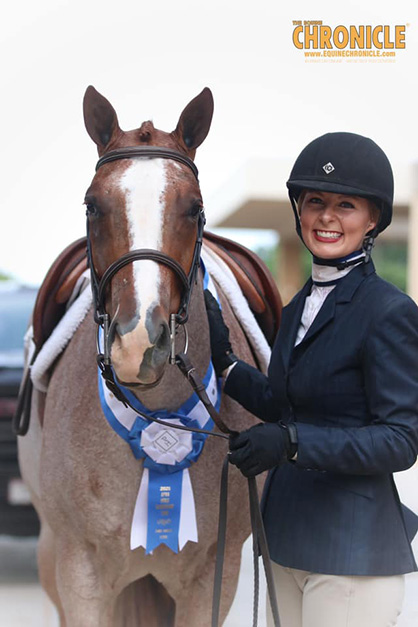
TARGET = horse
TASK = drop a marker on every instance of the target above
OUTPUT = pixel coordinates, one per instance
(83, 477)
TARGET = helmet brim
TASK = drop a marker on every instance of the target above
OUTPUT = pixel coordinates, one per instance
(328, 186)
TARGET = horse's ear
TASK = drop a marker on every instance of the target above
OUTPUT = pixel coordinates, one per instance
(194, 122)
(99, 117)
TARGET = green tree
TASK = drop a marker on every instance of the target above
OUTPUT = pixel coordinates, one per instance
(4, 276)
(391, 261)
(269, 254)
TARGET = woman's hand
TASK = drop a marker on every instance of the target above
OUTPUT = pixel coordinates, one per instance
(222, 355)
(260, 448)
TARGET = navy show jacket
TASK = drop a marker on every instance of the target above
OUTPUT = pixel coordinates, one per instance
(351, 386)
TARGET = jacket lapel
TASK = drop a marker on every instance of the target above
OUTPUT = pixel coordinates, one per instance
(343, 293)
(289, 325)
(323, 317)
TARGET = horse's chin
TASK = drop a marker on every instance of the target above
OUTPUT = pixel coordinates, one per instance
(147, 376)
(142, 385)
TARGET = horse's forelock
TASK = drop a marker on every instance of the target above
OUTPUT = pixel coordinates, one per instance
(146, 132)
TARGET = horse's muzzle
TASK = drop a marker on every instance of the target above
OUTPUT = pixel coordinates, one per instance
(139, 356)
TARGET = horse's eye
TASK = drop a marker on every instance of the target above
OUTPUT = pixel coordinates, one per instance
(90, 209)
(196, 208)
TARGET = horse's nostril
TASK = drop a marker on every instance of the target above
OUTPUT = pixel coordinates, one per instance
(163, 339)
(123, 327)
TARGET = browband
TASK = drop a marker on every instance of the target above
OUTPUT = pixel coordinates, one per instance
(148, 152)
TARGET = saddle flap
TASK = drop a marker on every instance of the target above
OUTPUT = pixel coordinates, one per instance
(56, 289)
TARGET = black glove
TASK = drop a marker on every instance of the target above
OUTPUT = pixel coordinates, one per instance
(262, 447)
(222, 355)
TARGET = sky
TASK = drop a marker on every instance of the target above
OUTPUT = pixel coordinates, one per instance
(150, 59)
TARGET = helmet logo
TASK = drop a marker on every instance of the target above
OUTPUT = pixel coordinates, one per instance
(328, 168)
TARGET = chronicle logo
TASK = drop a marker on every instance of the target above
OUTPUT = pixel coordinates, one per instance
(317, 39)
(328, 168)
(317, 35)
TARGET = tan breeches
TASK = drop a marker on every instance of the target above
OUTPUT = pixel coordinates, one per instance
(311, 600)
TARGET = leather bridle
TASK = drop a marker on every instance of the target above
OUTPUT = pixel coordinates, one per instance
(149, 152)
(187, 281)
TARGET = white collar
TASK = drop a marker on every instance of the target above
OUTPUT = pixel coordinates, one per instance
(330, 274)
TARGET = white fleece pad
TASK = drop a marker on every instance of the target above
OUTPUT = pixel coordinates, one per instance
(81, 302)
(220, 272)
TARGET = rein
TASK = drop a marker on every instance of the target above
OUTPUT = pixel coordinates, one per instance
(260, 545)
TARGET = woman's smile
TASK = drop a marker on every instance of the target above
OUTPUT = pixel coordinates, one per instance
(327, 236)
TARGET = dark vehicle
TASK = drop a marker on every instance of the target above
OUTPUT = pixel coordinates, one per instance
(17, 516)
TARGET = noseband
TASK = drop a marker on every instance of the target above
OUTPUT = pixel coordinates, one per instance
(187, 280)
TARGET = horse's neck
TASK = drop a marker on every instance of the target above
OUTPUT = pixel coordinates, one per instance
(174, 389)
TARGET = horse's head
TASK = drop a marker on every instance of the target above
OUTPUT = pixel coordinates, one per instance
(143, 203)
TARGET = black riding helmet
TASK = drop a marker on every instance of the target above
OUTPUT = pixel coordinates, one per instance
(344, 163)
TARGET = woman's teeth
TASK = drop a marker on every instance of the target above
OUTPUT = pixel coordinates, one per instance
(329, 234)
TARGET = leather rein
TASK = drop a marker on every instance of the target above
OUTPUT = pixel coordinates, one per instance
(182, 361)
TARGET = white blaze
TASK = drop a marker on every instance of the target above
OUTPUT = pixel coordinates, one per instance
(143, 184)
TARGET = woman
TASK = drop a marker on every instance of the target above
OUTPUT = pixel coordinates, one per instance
(340, 402)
